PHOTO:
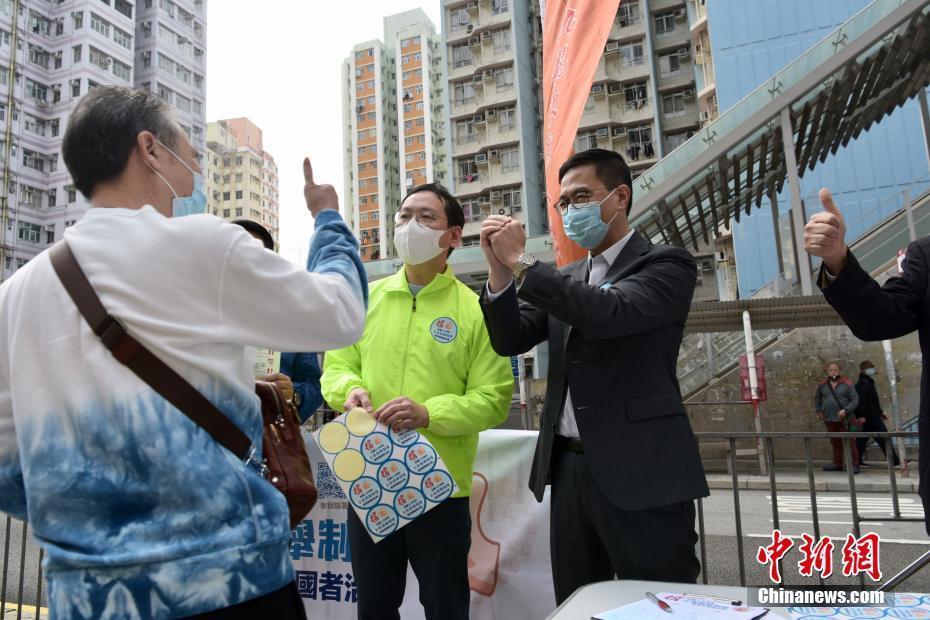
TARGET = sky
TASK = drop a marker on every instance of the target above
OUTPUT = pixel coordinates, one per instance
(279, 63)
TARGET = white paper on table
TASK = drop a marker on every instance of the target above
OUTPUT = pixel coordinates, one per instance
(267, 362)
(684, 607)
(390, 477)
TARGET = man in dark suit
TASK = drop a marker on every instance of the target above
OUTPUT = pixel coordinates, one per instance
(876, 312)
(615, 442)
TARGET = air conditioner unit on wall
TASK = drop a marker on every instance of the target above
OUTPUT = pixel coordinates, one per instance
(491, 113)
(477, 118)
(482, 200)
(504, 211)
(613, 46)
(474, 41)
(618, 131)
(494, 154)
(497, 195)
(476, 79)
(688, 94)
(597, 89)
(486, 34)
(488, 73)
(613, 89)
(601, 132)
(481, 158)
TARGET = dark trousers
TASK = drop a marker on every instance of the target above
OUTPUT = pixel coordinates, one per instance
(436, 545)
(592, 540)
(875, 425)
(283, 604)
(837, 442)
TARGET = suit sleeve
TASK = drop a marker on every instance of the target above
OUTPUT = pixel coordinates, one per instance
(12, 487)
(818, 399)
(657, 295)
(876, 312)
(306, 381)
(342, 372)
(488, 390)
(513, 328)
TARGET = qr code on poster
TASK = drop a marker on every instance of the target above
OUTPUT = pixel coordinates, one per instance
(326, 484)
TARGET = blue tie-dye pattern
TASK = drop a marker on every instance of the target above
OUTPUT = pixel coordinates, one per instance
(12, 490)
(332, 244)
(143, 515)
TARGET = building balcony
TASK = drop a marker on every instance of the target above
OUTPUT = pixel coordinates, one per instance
(682, 120)
(468, 145)
(464, 70)
(498, 177)
(471, 184)
(502, 135)
(657, 6)
(487, 19)
(679, 37)
(495, 96)
(621, 70)
(630, 32)
(681, 79)
(464, 108)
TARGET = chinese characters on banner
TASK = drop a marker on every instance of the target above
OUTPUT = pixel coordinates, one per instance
(574, 35)
(859, 556)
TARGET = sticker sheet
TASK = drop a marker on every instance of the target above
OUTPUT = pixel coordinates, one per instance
(906, 606)
(390, 477)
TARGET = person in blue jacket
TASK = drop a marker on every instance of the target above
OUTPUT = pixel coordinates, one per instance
(299, 376)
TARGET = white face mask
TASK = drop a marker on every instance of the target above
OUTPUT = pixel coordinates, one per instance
(871, 371)
(416, 243)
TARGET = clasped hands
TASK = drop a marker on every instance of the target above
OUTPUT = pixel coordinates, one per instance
(503, 240)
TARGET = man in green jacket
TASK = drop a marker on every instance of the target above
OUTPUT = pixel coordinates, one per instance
(425, 362)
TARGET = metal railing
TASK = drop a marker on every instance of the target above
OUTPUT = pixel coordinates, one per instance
(857, 519)
(15, 572)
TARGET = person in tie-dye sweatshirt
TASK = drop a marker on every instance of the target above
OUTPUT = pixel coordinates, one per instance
(141, 513)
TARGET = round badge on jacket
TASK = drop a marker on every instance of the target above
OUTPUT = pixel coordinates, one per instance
(443, 330)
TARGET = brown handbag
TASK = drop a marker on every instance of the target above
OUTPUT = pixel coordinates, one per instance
(285, 463)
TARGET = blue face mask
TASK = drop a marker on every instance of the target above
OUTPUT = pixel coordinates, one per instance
(186, 205)
(583, 223)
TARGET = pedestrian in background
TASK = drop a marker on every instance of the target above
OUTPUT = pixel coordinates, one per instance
(871, 416)
(836, 401)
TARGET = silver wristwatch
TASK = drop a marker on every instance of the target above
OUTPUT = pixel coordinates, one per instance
(524, 262)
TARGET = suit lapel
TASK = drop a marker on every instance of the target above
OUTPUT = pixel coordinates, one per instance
(579, 274)
(634, 248)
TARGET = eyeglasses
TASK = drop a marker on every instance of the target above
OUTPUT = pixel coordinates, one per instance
(426, 218)
(580, 197)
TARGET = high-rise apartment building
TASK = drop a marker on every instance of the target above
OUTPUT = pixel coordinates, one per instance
(493, 72)
(171, 39)
(52, 53)
(241, 177)
(393, 113)
(654, 86)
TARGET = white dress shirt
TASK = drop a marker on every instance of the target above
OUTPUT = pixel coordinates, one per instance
(598, 266)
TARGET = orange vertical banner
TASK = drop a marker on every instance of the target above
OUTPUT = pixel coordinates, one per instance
(574, 35)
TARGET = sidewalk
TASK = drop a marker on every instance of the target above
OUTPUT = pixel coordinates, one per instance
(28, 612)
(871, 480)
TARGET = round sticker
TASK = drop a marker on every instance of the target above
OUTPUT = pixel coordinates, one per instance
(437, 486)
(365, 492)
(334, 437)
(381, 520)
(443, 330)
(393, 475)
(862, 612)
(421, 458)
(909, 613)
(404, 438)
(360, 422)
(349, 465)
(409, 503)
(377, 448)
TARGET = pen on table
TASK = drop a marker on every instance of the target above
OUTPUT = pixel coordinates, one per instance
(719, 598)
(662, 604)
